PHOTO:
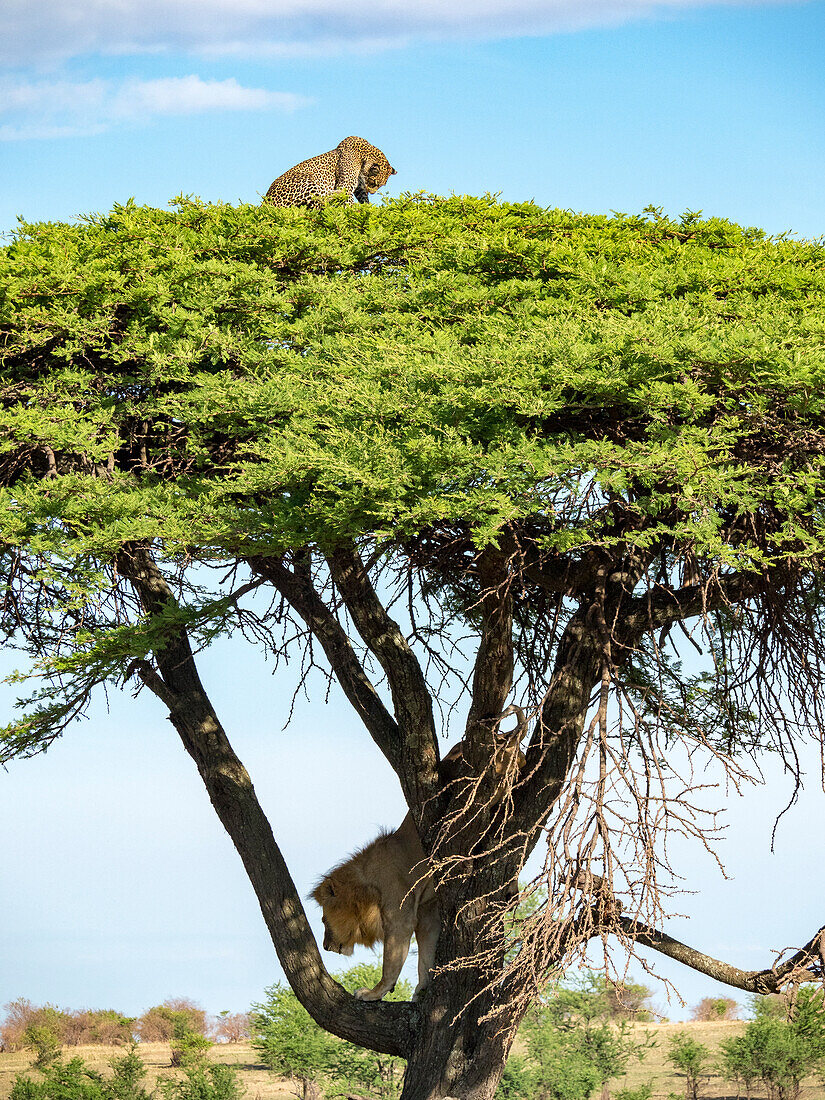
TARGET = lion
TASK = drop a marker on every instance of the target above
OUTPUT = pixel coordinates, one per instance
(383, 893)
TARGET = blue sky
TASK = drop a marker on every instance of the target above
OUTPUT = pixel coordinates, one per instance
(119, 887)
(588, 104)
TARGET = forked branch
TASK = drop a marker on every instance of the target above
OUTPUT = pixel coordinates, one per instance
(296, 586)
(412, 702)
(387, 1028)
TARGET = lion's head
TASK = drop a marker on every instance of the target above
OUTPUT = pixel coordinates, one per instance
(351, 912)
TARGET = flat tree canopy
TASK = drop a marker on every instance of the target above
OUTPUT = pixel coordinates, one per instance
(461, 454)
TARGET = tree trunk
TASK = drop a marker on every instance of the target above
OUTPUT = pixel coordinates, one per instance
(456, 1055)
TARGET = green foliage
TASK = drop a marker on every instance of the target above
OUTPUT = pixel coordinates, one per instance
(690, 1059)
(292, 1044)
(44, 1040)
(188, 1047)
(228, 381)
(179, 1022)
(204, 1082)
(576, 1042)
(73, 1080)
(287, 1038)
(563, 1068)
(128, 1075)
(715, 1008)
(518, 1081)
(775, 1005)
(641, 1092)
(779, 1052)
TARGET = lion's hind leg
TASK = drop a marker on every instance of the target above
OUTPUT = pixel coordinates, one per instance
(426, 935)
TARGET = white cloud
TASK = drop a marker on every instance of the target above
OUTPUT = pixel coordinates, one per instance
(62, 108)
(53, 30)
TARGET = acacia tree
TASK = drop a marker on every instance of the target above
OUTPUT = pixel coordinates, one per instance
(459, 454)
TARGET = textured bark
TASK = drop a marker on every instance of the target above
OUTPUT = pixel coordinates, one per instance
(456, 1055)
(556, 736)
(493, 671)
(767, 980)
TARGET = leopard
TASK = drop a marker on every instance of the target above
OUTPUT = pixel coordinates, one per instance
(353, 166)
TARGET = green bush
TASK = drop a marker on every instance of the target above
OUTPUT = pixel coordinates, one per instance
(690, 1059)
(779, 1052)
(204, 1082)
(641, 1092)
(128, 1075)
(74, 1080)
(188, 1047)
(291, 1043)
(44, 1040)
(518, 1082)
(577, 1039)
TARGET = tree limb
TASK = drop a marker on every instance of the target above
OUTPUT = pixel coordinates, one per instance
(493, 671)
(387, 1028)
(412, 703)
(561, 720)
(806, 964)
(662, 606)
(296, 587)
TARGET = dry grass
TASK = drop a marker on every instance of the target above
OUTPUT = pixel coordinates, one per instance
(656, 1069)
(261, 1084)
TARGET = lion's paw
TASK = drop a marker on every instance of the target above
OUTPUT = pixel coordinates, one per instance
(367, 995)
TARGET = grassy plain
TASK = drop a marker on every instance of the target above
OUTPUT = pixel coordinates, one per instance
(261, 1084)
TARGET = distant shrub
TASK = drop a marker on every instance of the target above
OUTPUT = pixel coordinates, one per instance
(157, 1024)
(518, 1082)
(19, 1014)
(715, 1008)
(25, 1020)
(777, 1006)
(203, 1082)
(628, 1001)
(128, 1074)
(85, 1026)
(45, 1042)
(641, 1092)
(291, 1043)
(778, 1052)
(188, 1047)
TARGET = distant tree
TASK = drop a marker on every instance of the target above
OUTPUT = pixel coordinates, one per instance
(231, 1027)
(106, 1027)
(293, 1045)
(715, 1008)
(576, 1041)
(19, 1014)
(461, 454)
